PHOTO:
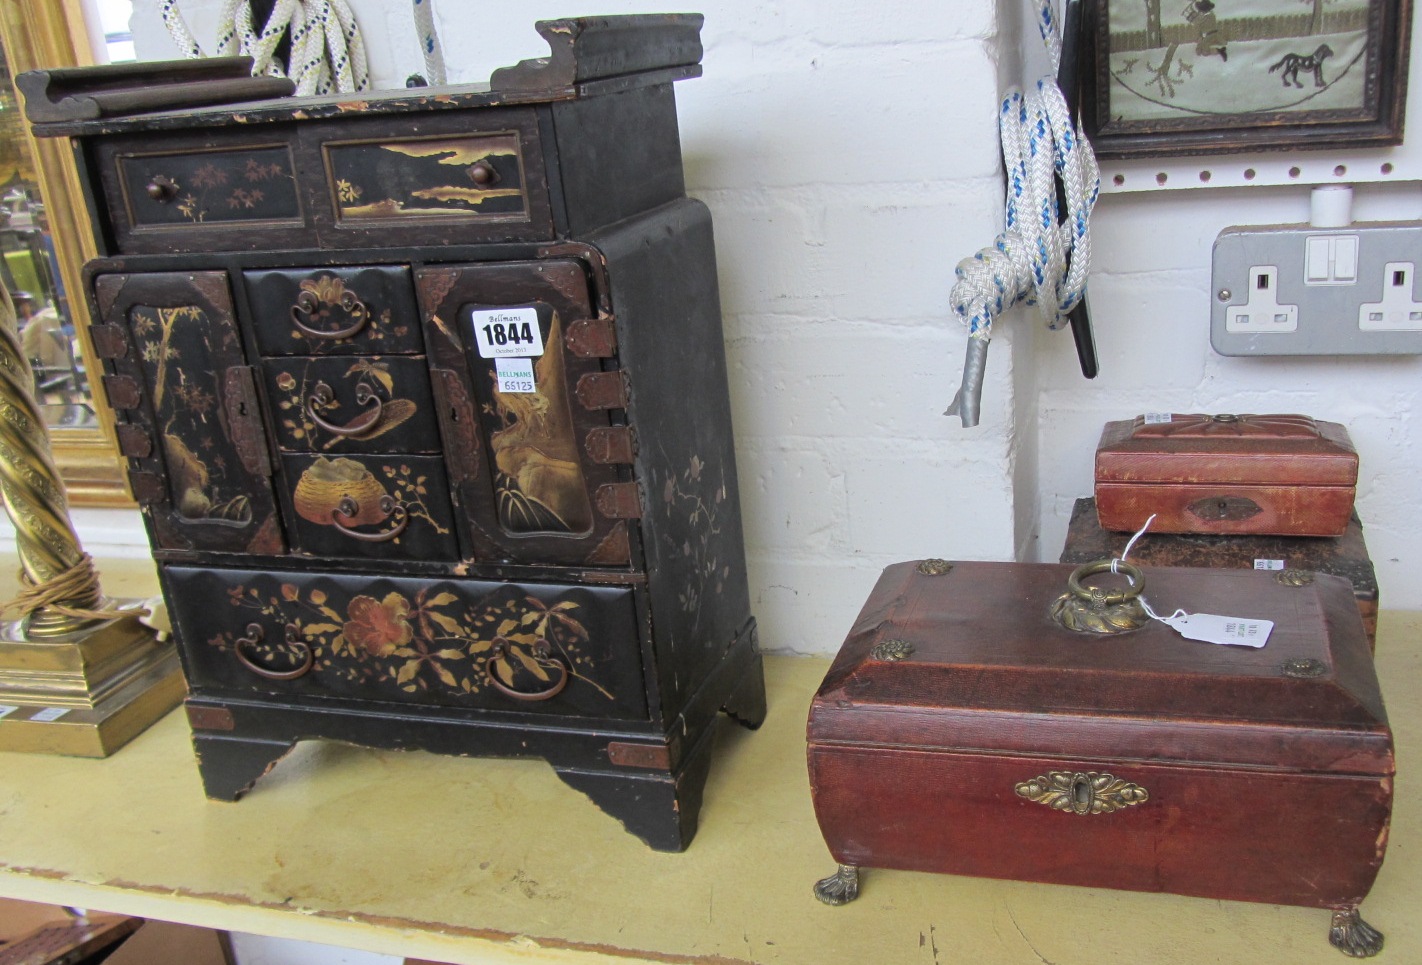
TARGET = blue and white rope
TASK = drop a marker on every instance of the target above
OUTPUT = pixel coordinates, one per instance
(429, 42)
(1040, 259)
(327, 51)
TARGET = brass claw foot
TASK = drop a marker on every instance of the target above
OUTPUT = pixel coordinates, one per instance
(840, 888)
(1349, 934)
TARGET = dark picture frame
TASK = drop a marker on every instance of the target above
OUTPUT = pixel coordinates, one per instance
(1189, 77)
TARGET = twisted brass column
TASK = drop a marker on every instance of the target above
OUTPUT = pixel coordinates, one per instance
(78, 674)
(34, 496)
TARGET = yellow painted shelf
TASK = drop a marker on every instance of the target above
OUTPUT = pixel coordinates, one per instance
(489, 861)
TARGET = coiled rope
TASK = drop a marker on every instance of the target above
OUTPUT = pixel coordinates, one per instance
(1040, 259)
(327, 52)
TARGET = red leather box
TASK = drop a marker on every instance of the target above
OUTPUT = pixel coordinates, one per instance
(963, 730)
(1282, 475)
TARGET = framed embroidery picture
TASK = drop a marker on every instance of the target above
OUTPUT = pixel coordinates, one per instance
(1180, 77)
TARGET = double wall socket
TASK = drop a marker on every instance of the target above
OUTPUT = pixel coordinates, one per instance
(1299, 290)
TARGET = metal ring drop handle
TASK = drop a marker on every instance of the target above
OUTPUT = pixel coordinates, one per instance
(350, 509)
(1100, 597)
(544, 656)
(323, 396)
(293, 639)
(307, 303)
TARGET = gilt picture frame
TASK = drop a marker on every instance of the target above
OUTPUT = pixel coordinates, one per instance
(1191, 77)
(45, 34)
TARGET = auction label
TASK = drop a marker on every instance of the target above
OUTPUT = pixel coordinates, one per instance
(515, 375)
(49, 713)
(507, 332)
(1213, 628)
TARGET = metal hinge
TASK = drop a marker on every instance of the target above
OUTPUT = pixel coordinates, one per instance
(591, 338)
(619, 500)
(134, 441)
(603, 390)
(110, 340)
(147, 488)
(123, 391)
(611, 445)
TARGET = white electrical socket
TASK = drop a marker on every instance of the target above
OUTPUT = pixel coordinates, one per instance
(1398, 311)
(1261, 312)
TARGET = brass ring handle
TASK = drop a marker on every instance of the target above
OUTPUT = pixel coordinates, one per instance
(322, 396)
(293, 639)
(1099, 597)
(350, 509)
(543, 656)
(307, 303)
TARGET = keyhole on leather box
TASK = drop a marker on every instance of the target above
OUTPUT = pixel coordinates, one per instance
(1081, 792)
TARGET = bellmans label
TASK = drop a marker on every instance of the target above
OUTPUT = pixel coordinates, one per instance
(507, 332)
(515, 375)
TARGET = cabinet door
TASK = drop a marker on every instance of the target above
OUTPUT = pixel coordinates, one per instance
(532, 411)
(187, 404)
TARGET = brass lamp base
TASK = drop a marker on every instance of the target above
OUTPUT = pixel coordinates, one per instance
(85, 693)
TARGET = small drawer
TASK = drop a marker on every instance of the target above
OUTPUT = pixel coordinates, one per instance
(523, 647)
(220, 193)
(334, 311)
(469, 177)
(465, 178)
(365, 404)
(386, 507)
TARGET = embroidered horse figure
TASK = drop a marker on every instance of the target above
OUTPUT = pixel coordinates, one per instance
(1292, 64)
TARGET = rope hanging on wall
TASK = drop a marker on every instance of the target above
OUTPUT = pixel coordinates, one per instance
(1041, 259)
(327, 52)
(429, 42)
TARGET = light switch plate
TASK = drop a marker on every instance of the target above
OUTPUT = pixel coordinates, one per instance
(1325, 290)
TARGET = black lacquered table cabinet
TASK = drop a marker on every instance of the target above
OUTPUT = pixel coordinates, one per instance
(424, 403)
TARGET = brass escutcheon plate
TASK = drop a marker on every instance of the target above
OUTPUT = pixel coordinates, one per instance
(1082, 792)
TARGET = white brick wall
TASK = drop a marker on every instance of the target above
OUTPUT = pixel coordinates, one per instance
(848, 154)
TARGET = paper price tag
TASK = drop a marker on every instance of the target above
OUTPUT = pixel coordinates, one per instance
(515, 375)
(49, 713)
(1157, 418)
(7, 709)
(507, 332)
(1212, 628)
(1268, 564)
